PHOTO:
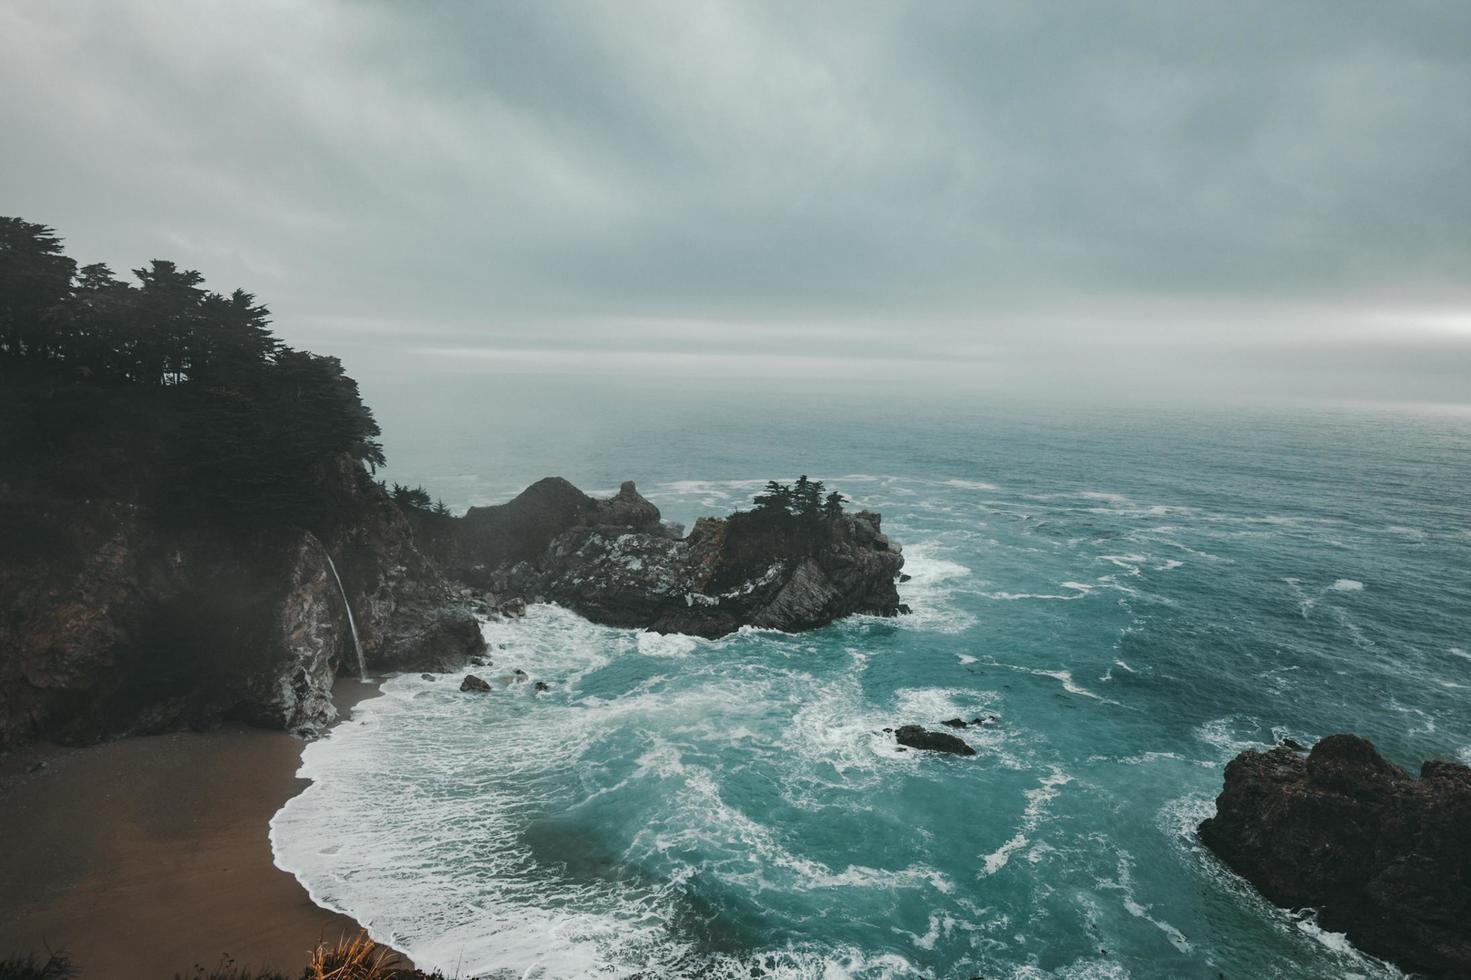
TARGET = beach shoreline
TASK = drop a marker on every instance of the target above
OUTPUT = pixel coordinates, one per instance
(148, 856)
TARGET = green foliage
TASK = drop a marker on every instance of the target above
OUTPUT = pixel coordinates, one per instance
(803, 500)
(183, 381)
(416, 498)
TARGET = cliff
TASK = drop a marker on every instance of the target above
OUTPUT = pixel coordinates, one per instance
(118, 620)
(615, 562)
(1382, 856)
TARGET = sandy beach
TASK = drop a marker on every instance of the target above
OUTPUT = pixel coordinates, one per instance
(143, 857)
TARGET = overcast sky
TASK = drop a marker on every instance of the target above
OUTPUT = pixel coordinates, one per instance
(1275, 194)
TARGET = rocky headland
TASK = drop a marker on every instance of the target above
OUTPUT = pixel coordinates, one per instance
(117, 622)
(1381, 855)
(616, 562)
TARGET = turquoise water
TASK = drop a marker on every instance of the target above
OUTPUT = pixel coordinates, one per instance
(1138, 594)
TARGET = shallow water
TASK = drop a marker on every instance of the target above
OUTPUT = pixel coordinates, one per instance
(1136, 595)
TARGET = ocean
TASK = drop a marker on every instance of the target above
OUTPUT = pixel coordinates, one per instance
(1136, 593)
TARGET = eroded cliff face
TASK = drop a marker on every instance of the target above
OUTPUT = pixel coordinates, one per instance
(1381, 855)
(116, 624)
(616, 563)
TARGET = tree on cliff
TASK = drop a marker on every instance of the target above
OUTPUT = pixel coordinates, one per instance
(190, 387)
(35, 279)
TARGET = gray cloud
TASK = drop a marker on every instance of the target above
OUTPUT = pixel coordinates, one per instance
(939, 186)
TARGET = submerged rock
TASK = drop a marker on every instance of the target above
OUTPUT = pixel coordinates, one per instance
(1382, 856)
(919, 737)
(473, 683)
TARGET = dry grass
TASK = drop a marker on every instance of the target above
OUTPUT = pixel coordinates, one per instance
(55, 966)
(358, 958)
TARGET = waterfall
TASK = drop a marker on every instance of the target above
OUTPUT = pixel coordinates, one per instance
(351, 623)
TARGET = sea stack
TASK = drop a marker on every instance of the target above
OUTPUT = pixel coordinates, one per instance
(616, 562)
(1381, 855)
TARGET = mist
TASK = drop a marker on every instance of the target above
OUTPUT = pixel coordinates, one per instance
(1186, 202)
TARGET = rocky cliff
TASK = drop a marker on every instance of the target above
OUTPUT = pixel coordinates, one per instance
(1381, 855)
(117, 622)
(615, 562)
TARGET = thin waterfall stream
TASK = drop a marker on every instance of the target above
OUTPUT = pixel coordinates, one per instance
(351, 623)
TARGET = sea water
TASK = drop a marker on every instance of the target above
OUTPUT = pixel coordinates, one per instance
(1136, 595)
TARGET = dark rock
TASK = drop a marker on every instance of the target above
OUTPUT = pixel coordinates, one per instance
(919, 737)
(513, 608)
(426, 677)
(955, 723)
(103, 632)
(425, 633)
(988, 720)
(1291, 743)
(473, 683)
(540, 686)
(614, 562)
(37, 767)
(1382, 856)
(905, 577)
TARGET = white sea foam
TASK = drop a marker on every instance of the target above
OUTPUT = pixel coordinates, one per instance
(1458, 652)
(965, 658)
(1130, 562)
(971, 485)
(1347, 585)
(1231, 735)
(1176, 937)
(1037, 801)
(1114, 498)
(666, 645)
(1080, 590)
(1064, 677)
(934, 583)
(1084, 969)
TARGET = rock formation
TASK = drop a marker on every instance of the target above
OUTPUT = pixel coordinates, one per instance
(120, 623)
(615, 562)
(919, 737)
(1382, 856)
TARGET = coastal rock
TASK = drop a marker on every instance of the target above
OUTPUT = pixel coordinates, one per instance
(1382, 856)
(919, 737)
(122, 622)
(473, 683)
(615, 562)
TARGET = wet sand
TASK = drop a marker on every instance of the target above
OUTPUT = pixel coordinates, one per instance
(143, 857)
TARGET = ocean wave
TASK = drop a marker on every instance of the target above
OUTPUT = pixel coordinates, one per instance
(934, 583)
